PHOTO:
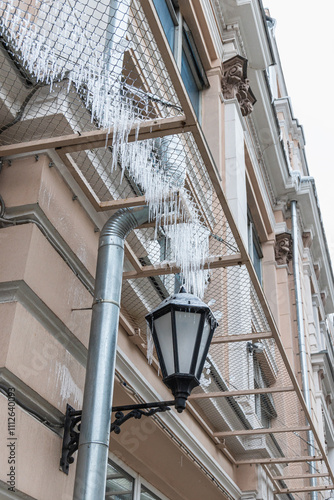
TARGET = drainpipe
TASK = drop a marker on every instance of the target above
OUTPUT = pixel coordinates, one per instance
(301, 335)
(91, 471)
(115, 36)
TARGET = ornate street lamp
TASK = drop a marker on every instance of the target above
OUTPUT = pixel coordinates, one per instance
(182, 327)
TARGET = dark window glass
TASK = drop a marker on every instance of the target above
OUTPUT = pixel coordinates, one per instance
(145, 494)
(166, 21)
(119, 485)
(257, 261)
(190, 82)
(254, 247)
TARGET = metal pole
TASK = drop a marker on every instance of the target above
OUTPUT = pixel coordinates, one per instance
(301, 335)
(91, 471)
(116, 36)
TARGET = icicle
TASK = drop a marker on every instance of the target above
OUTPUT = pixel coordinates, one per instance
(205, 379)
(190, 245)
(218, 315)
(211, 302)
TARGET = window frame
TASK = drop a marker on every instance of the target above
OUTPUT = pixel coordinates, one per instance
(185, 52)
(254, 243)
(138, 481)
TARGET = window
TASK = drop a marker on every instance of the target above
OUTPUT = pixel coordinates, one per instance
(189, 82)
(123, 486)
(147, 495)
(168, 19)
(192, 71)
(188, 59)
(119, 484)
(264, 403)
(254, 247)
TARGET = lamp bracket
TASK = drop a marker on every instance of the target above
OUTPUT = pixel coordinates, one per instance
(72, 424)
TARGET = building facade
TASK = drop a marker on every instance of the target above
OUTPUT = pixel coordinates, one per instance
(180, 105)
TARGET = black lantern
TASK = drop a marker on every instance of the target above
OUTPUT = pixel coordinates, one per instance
(182, 327)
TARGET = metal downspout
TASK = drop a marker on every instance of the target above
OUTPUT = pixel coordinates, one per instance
(301, 336)
(91, 471)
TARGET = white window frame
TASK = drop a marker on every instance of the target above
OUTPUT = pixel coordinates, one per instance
(138, 480)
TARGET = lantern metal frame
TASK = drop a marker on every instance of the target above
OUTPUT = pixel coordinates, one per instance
(180, 383)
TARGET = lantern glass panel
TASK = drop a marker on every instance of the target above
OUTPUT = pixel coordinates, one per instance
(163, 328)
(186, 331)
(204, 340)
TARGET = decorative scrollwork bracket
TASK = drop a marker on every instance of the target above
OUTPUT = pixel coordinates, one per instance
(72, 423)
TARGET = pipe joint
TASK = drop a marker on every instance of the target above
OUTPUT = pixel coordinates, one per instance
(123, 222)
(103, 301)
(109, 239)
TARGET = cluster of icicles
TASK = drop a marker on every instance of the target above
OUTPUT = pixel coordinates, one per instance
(55, 45)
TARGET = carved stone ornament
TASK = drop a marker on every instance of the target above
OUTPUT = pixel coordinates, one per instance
(307, 239)
(235, 84)
(283, 248)
(323, 296)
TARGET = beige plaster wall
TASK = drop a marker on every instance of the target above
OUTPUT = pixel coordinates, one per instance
(39, 360)
(27, 182)
(37, 458)
(27, 255)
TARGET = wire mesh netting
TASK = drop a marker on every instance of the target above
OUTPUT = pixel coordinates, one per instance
(75, 66)
(293, 477)
(207, 241)
(72, 66)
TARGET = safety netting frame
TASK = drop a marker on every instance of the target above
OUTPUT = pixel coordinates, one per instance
(169, 114)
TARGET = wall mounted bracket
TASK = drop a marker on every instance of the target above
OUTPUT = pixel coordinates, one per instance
(72, 422)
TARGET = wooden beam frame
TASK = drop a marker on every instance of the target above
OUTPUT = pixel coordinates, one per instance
(132, 257)
(171, 268)
(136, 201)
(241, 338)
(299, 476)
(99, 138)
(251, 432)
(304, 489)
(245, 392)
(280, 460)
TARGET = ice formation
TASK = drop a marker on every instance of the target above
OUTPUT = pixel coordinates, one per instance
(205, 379)
(54, 41)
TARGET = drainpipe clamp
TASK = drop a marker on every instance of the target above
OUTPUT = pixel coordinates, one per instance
(102, 301)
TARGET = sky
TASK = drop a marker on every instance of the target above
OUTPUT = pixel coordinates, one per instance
(305, 40)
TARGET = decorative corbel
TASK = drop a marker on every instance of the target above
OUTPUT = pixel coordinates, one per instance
(283, 248)
(323, 296)
(235, 83)
(317, 270)
(307, 239)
